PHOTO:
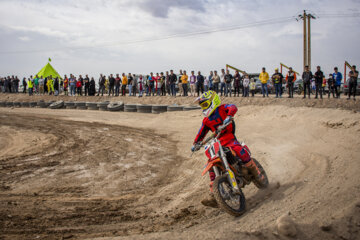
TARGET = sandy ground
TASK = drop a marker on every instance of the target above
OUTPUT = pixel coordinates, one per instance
(70, 174)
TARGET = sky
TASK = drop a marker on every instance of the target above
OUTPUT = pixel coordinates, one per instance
(109, 36)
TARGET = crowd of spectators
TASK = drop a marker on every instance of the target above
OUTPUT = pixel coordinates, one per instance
(226, 84)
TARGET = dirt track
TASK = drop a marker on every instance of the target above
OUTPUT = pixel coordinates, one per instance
(90, 174)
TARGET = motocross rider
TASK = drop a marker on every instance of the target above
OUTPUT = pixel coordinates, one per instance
(217, 114)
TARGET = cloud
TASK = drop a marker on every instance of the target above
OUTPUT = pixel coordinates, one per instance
(24, 38)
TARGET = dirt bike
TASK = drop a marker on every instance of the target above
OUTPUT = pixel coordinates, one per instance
(230, 174)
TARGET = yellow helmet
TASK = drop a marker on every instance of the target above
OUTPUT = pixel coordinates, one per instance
(209, 101)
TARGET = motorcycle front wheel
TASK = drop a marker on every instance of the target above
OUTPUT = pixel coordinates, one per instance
(230, 202)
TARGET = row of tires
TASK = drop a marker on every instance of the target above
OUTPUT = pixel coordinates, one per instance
(103, 106)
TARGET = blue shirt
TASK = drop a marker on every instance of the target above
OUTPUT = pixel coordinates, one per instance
(337, 78)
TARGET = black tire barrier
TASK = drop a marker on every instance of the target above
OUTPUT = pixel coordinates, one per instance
(32, 104)
(103, 106)
(70, 105)
(9, 104)
(17, 104)
(144, 108)
(130, 108)
(57, 105)
(92, 106)
(3, 104)
(159, 109)
(190, 108)
(25, 104)
(115, 106)
(49, 103)
(81, 105)
(42, 104)
(173, 108)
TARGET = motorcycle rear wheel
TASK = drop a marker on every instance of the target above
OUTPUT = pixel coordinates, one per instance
(221, 184)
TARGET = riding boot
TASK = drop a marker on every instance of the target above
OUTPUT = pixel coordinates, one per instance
(251, 166)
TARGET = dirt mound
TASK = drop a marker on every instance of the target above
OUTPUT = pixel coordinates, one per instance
(82, 174)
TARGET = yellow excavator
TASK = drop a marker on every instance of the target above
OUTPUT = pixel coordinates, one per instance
(283, 65)
(234, 68)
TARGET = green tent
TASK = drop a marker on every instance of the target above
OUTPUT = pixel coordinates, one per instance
(47, 71)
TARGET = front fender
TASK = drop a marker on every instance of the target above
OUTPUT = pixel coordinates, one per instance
(210, 164)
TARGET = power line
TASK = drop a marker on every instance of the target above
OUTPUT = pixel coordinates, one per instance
(181, 35)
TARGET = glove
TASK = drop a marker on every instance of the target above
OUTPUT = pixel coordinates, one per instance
(227, 120)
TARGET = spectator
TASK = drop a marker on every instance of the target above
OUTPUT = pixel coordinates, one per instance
(319, 75)
(124, 83)
(323, 85)
(206, 84)
(82, 84)
(30, 86)
(167, 80)
(134, 88)
(246, 83)
(181, 89)
(307, 76)
(56, 86)
(117, 85)
(291, 78)
(152, 84)
(79, 87)
(16, 84)
(106, 85)
(101, 85)
(87, 85)
(92, 87)
(111, 85)
(24, 85)
(141, 85)
(222, 82)
(72, 82)
(172, 78)
(264, 78)
(353, 74)
(277, 79)
(211, 84)
(237, 79)
(45, 85)
(331, 85)
(228, 81)
(337, 76)
(192, 84)
(252, 87)
(147, 84)
(50, 85)
(66, 84)
(199, 83)
(157, 84)
(162, 83)
(216, 81)
(184, 81)
(130, 83)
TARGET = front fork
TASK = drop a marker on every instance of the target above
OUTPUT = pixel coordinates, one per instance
(230, 174)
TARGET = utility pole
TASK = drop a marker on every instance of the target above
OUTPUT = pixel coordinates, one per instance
(307, 37)
(309, 17)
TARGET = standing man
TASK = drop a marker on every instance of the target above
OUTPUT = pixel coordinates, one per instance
(237, 79)
(36, 84)
(130, 83)
(353, 74)
(111, 85)
(167, 80)
(87, 84)
(307, 76)
(216, 81)
(181, 89)
(192, 84)
(200, 83)
(42, 83)
(173, 79)
(135, 83)
(319, 76)
(228, 81)
(222, 82)
(337, 76)
(30, 86)
(277, 79)
(117, 85)
(24, 85)
(330, 83)
(123, 85)
(16, 84)
(210, 78)
(264, 78)
(291, 78)
(184, 82)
